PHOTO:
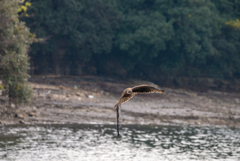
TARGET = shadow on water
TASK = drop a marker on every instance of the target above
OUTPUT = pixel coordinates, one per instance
(137, 142)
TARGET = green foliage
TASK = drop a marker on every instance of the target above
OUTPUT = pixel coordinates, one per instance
(1, 87)
(195, 22)
(73, 30)
(194, 38)
(234, 23)
(23, 8)
(15, 39)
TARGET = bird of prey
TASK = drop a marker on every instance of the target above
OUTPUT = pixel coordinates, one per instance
(128, 93)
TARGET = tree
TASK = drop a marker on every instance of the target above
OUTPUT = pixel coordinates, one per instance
(195, 22)
(75, 30)
(193, 38)
(15, 39)
(226, 63)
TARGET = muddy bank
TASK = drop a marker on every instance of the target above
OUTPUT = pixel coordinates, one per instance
(91, 99)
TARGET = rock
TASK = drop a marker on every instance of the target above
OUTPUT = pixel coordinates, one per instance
(32, 114)
(57, 96)
(90, 96)
(19, 115)
(68, 95)
(21, 122)
(80, 94)
(197, 122)
(61, 87)
(13, 105)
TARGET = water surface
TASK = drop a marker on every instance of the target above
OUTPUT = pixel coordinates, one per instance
(100, 142)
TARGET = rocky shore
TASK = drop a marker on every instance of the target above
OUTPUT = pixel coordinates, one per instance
(90, 99)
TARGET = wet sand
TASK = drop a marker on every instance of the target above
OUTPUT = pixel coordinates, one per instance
(90, 99)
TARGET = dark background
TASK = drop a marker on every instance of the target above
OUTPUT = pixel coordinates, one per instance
(156, 40)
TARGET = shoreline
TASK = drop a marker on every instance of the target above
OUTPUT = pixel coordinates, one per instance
(90, 99)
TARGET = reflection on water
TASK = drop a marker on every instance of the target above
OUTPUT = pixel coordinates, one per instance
(100, 142)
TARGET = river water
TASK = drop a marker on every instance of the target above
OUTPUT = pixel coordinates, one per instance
(100, 143)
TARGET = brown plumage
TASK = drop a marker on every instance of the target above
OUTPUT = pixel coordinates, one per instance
(129, 93)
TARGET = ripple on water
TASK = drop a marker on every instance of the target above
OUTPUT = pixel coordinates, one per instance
(99, 142)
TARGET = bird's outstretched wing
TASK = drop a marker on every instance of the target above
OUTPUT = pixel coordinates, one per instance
(124, 98)
(127, 97)
(146, 89)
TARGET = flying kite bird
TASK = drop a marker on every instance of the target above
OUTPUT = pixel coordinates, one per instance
(129, 93)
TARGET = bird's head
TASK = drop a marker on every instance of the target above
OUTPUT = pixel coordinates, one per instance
(128, 91)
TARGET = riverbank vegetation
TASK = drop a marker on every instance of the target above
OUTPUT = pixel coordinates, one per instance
(15, 39)
(157, 40)
(138, 38)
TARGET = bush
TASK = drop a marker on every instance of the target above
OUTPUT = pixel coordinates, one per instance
(1, 87)
(15, 39)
